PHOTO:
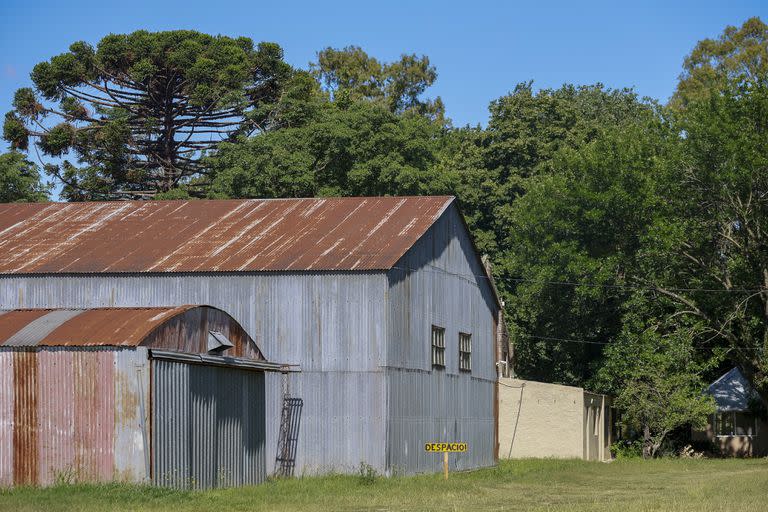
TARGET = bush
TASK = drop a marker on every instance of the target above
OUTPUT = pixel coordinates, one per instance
(627, 449)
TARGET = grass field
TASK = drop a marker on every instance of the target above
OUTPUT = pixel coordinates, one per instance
(632, 485)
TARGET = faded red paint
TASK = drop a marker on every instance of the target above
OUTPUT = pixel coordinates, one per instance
(93, 416)
(370, 233)
(55, 411)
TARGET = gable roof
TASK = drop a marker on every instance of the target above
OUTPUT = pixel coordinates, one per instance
(368, 233)
(732, 392)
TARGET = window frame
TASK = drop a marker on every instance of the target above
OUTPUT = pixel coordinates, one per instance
(732, 422)
(437, 347)
(465, 336)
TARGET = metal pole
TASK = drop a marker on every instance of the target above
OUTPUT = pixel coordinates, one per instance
(445, 465)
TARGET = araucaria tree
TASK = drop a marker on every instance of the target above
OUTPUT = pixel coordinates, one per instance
(138, 111)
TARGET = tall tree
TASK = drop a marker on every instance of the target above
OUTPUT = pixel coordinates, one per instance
(332, 148)
(712, 238)
(138, 111)
(525, 131)
(20, 180)
(351, 73)
(738, 54)
(656, 372)
(571, 248)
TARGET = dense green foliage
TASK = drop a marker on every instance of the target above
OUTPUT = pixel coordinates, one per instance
(331, 148)
(629, 239)
(740, 53)
(20, 179)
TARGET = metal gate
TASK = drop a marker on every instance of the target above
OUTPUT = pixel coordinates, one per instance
(208, 425)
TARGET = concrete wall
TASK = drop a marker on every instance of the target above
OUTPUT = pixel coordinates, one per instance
(539, 420)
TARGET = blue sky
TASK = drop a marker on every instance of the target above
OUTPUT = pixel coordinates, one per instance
(481, 49)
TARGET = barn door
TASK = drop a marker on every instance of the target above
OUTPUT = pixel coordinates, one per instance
(208, 425)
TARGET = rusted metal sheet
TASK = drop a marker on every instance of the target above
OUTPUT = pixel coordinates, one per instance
(183, 328)
(7, 401)
(361, 339)
(213, 236)
(72, 415)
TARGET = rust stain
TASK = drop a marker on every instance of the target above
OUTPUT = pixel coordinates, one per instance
(362, 233)
(181, 328)
(25, 427)
(128, 399)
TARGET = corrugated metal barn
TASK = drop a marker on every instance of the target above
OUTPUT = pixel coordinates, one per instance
(383, 304)
(175, 395)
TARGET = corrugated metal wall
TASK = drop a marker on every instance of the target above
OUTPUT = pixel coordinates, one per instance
(347, 330)
(439, 282)
(332, 324)
(208, 426)
(72, 415)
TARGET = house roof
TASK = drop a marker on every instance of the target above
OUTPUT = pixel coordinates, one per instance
(370, 233)
(732, 392)
(82, 327)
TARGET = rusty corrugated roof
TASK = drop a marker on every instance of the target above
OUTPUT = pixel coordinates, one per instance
(368, 233)
(89, 327)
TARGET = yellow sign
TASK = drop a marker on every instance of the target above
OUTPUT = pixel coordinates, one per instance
(445, 447)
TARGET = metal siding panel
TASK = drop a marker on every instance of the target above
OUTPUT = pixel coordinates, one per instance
(131, 415)
(445, 410)
(56, 392)
(25, 427)
(7, 392)
(332, 323)
(62, 423)
(440, 282)
(207, 426)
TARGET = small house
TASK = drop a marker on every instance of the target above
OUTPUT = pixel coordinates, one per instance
(739, 427)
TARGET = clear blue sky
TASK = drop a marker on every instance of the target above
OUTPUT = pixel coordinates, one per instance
(481, 49)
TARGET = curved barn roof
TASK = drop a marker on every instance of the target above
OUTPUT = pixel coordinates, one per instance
(84, 327)
(370, 233)
(182, 328)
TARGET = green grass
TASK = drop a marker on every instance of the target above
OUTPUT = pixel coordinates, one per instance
(627, 486)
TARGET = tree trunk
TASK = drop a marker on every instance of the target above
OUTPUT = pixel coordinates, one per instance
(647, 443)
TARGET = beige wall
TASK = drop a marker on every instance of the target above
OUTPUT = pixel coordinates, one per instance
(537, 419)
(737, 446)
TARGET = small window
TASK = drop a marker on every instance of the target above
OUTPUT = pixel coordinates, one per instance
(734, 424)
(438, 347)
(465, 352)
(723, 424)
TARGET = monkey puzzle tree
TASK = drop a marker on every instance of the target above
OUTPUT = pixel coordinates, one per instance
(138, 111)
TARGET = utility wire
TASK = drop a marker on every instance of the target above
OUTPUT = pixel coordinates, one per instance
(471, 277)
(568, 340)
